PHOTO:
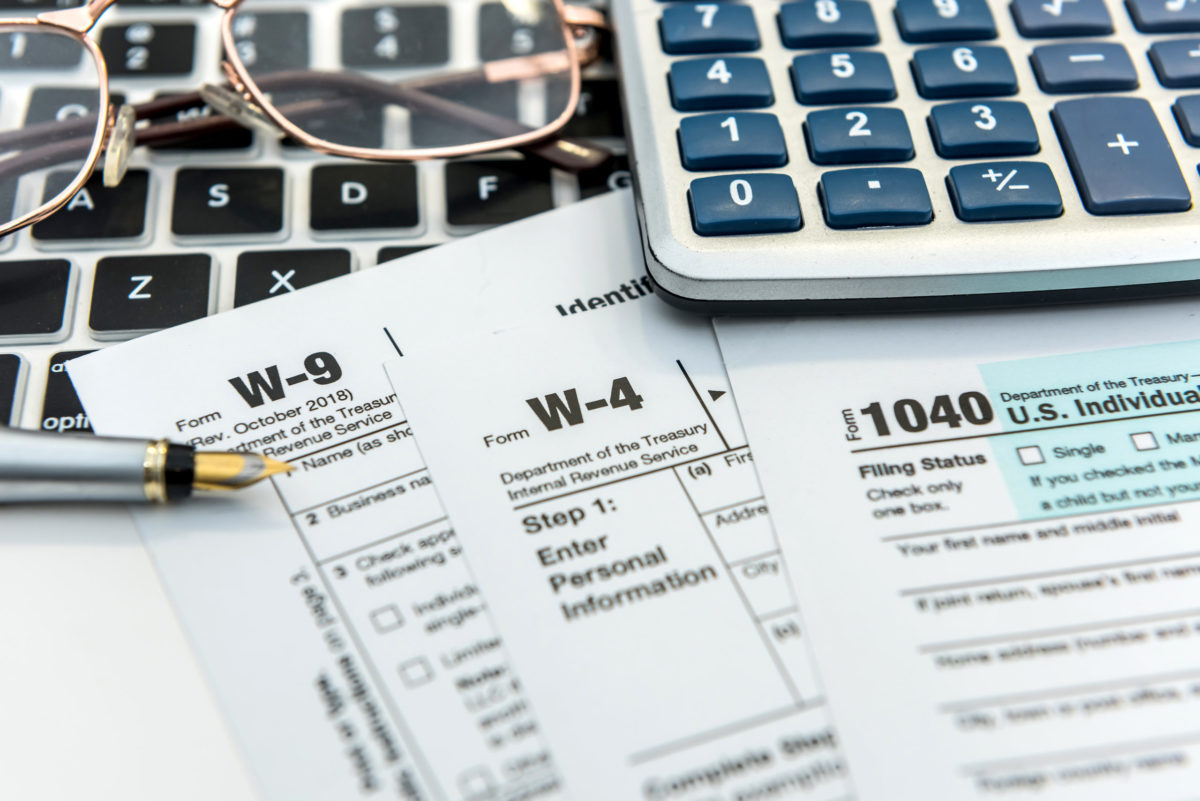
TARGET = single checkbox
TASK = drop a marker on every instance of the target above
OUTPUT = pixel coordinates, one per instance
(1031, 454)
(387, 618)
(416, 672)
(1144, 441)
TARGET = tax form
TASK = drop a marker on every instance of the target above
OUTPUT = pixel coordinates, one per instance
(596, 471)
(333, 611)
(992, 523)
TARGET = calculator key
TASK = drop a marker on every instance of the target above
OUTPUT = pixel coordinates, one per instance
(751, 203)
(33, 297)
(608, 177)
(227, 201)
(396, 36)
(147, 293)
(1051, 18)
(1004, 190)
(858, 76)
(1119, 156)
(396, 252)
(871, 196)
(10, 373)
(270, 41)
(19, 52)
(994, 128)
(271, 273)
(731, 141)
(1083, 67)
(237, 138)
(1177, 63)
(1165, 16)
(344, 197)
(858, 135)
(61, 409)
(711, 83)
(96, 211)
(963, 72)
(143, 49)
(707, 28)
(1187, 115)
(503, 34)
(944, 20)
(496, 191)
(827, 23)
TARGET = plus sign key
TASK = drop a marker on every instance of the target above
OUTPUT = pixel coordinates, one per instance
(1119, 156)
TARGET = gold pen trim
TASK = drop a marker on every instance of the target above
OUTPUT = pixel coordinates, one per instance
(154, 471)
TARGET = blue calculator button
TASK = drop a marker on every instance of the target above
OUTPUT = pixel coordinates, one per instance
(751, 203)
(1187, 115)
(1119, 156)
(870, 196)
(1165, 16)
(827, 23)
(994, 128)
(858, 135)
(708, 28)
(1177, 63)
(1004, 190)
(1046, 18)
(964, 71)
(852, 76)
(709, 83)
(944, 20)
(731, 141)
(1083, 67)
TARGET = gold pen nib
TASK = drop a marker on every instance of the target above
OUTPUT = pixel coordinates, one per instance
(227, 471)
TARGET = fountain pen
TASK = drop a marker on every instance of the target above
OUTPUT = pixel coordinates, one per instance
(40, 467)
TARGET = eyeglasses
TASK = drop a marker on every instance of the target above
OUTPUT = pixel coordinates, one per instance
(399, 98)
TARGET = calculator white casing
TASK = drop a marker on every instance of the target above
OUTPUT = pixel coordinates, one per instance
(945, 264)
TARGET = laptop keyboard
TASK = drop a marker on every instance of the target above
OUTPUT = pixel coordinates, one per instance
(240, 217)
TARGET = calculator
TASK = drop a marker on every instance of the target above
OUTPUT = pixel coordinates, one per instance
(845, 155)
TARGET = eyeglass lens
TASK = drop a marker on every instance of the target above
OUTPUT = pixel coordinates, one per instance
(52, 133)
(411, 76)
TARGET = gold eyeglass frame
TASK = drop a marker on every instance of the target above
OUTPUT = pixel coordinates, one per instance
(76, 23)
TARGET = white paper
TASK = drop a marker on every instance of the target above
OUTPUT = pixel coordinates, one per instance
(1002, 589)
(596, 471)
(332, 610)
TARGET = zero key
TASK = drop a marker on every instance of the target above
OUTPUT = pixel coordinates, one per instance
(1119, 156)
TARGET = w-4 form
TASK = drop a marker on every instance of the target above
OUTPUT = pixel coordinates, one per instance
(597, 472)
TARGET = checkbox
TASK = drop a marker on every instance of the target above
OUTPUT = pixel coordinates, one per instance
(387, 618)
(416, 672)
(476, 783)
(1144, 441)
(1031, 454)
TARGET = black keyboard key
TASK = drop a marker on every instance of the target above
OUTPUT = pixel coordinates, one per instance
(96, 211)
(1119, 156)
(358, 122)
(396, 36)
(33, 297)
(10, 375)
(607, 177)
(495, 192)
(234, 139)
(268, 41)
(269, 274)
(227, 202)
(428, 130)
(396, 252)
(23, 51)
(61, 409)
(501, 35)
(343, 197)
(598, 112)
(63, 103)
(144, 49)
(146, 293)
